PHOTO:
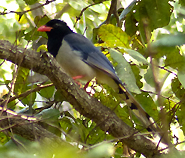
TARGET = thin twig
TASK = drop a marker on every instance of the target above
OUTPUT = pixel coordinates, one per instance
(83, 10)
(161, 67)
(23, 12)
(23, 95)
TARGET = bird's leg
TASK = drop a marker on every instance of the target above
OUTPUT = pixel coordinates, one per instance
(77, 82)
(77, 77)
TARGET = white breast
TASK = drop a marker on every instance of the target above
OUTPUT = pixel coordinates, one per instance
(72, 64)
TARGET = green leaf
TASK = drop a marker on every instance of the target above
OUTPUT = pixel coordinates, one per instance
(113, 36)
(181, 117)
(21, 85)
(65, 123)
(78, 5)
(167, 46)
(111, 99)
(149, 77)
(21, 79)
(3, 138)
(39, 21)
(138, 58)
(130, 25)
(12, 105)
(59, 97)
(169, 41)
(136, 71)
(181, 77)
(47, 92)
(33, 35)
(42, 48)
(182, 2)
(151, 14)
(158, 12)
(124, 71)
(50, 114)
(175, 60)
(21, 33)
(96, 135)
(30, 2)
(30, 99)
(148, 104)
(177, 88)
(98, 1)
(127, 10)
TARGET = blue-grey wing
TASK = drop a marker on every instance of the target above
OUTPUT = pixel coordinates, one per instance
(90, 54)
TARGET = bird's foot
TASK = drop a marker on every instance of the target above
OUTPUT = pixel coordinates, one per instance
(77, 82)
(90, 93)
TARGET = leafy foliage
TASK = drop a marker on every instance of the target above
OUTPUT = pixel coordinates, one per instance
(113, 36)
(124, 71)
(147, 51)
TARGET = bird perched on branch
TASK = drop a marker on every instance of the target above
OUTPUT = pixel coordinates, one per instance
(80, 59)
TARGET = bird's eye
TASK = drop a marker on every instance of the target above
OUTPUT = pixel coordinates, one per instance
(56, 25)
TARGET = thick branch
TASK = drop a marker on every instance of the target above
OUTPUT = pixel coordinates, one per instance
(87, 106)
(26, 127)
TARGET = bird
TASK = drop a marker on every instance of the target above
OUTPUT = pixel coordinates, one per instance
(79, 58)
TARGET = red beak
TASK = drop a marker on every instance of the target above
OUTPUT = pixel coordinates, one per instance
(44, 28)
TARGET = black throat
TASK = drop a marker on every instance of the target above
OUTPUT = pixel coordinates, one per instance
(54, 45)
(55, 38)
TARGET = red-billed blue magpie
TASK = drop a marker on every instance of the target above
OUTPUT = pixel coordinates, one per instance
(79, 57)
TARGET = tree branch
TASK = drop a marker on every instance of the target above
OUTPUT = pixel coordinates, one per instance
(23, 12)
(26, 127)
(81, 101)
(113, 10)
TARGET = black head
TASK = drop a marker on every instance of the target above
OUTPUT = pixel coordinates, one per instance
(56, 30)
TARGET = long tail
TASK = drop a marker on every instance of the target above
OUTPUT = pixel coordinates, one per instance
(143, 116)
(137, 109)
